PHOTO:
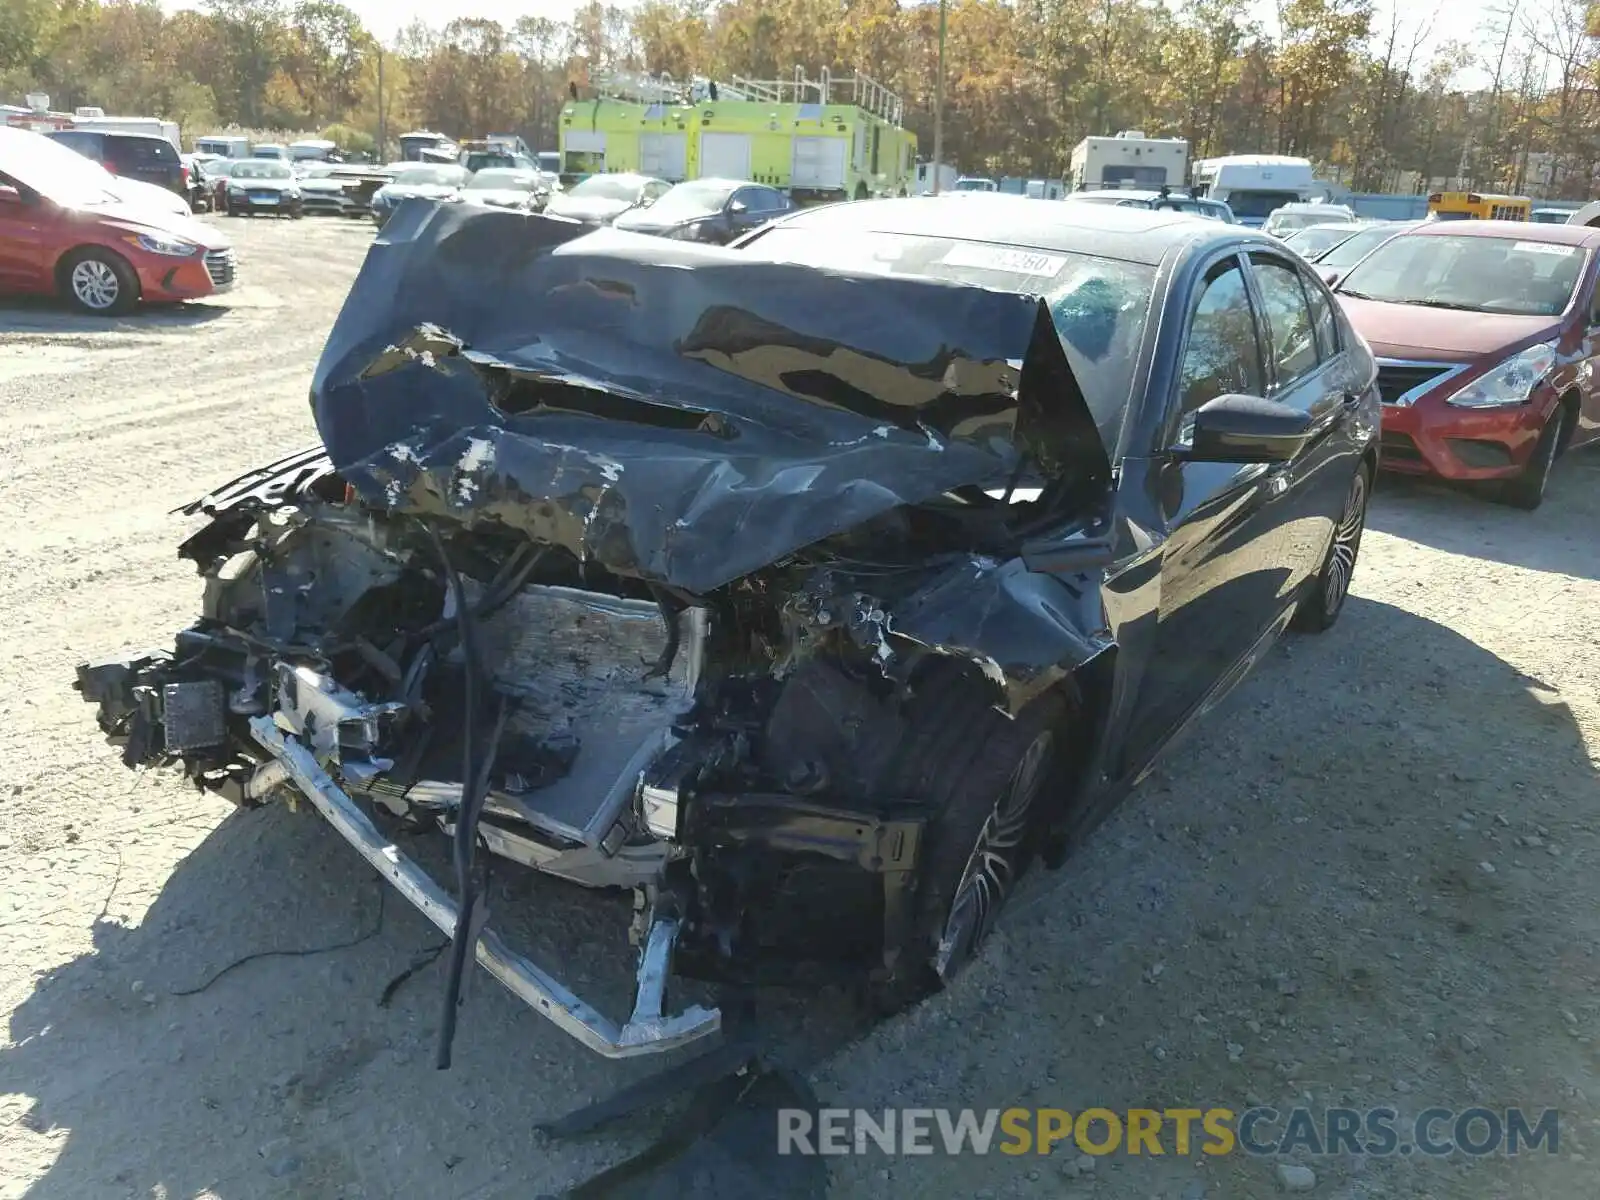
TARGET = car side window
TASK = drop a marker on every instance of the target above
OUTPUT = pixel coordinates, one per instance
(1322, 316)
(654, 191)
(84, 143)
(1221, 356)
(761, 199)
(1290, 328)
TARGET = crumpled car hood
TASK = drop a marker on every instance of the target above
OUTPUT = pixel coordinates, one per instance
(685, 414)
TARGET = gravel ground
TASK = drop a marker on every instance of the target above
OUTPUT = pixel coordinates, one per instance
(1368, 879)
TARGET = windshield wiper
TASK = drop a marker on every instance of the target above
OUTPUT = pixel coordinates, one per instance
(1441, 304)
(1357, 295)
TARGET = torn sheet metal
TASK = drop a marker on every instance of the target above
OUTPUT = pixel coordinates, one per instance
(680, 413)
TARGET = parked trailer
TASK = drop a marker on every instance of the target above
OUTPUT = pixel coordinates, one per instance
(928, 172)
(818, 139)
(1128, 159)
(1255, 186)
(95, 120)
(228, 145)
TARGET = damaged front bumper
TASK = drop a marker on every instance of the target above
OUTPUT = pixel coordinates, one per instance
(647, 1031)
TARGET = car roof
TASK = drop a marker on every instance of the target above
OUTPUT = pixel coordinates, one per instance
(628, 176)
(1523, 231)
(1129, 193)
(1139, 235)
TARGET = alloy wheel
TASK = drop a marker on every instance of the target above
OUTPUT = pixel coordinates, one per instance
(1346, 543)
(95, 284)
(991, 869)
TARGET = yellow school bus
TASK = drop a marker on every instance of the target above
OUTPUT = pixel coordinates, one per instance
(1475, 206)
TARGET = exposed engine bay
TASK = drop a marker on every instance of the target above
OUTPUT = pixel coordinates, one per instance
(504, 601)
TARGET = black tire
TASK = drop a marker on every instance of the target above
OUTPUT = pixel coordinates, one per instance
(1526, 490)
(98, 282)
(982, 775)
(1320, 607)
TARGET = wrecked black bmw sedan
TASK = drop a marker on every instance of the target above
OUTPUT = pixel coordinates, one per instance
(808, 588)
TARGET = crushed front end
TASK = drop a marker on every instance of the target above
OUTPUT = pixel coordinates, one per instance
(708, 642)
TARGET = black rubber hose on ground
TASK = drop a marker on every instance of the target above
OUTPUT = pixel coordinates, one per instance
(466, 815)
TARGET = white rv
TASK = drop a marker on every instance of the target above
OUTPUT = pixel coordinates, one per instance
(228, 145)
(1128, 160)
(1255, 185)
(95, 119)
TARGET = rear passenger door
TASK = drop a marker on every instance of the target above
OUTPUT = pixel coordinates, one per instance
(1308, 370)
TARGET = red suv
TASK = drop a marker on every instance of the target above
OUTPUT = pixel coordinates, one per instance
(63, 232)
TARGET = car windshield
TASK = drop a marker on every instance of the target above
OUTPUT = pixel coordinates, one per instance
(1357, 246)
(1314, 239)
(261, 170)
(484, 160)
(504, 180)
(698, 198)
(1476, 274)
(321, 171)
(1258, 205)
(429, 177)
(607, 187)
(1098, 304)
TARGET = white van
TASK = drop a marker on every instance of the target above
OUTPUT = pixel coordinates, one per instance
(312, 150)
(225, 144)
(1255, 186)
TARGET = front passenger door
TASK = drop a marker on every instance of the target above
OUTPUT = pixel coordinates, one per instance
(24, 222)
(1220, 518)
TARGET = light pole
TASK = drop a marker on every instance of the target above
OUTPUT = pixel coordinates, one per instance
(383, 125)
(938, 107)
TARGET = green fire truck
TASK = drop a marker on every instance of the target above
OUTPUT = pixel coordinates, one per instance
(818, 139)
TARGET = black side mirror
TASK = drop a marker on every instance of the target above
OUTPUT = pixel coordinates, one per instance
(1247, 429)
(738, 208)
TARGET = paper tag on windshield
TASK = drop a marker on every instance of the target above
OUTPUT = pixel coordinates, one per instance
(1004, 259)
(1546, 248)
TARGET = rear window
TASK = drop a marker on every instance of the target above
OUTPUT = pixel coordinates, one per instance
(141, 149)
(1258, 205)
(1099, 305)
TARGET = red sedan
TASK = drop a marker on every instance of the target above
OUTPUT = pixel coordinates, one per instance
(63, 232)
(1486, 335)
